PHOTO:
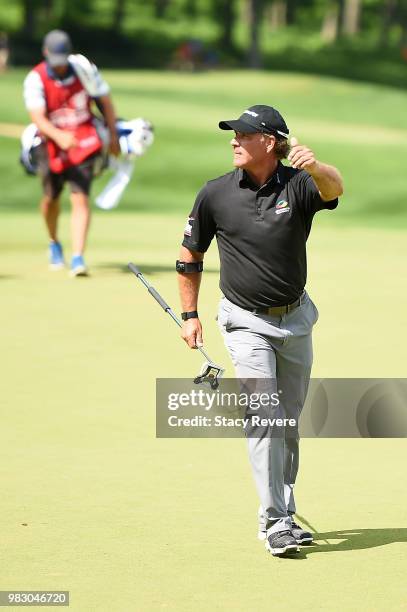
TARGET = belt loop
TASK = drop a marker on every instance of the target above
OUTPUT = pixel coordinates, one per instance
(301, 299)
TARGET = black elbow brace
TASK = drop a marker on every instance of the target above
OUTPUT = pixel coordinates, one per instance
(183, 267)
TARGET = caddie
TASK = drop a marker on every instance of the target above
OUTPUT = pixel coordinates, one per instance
(261, 214)
(58, 97)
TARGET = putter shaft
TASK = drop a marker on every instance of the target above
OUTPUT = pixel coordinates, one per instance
(163, 304)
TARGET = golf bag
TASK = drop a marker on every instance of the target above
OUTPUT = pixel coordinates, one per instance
(135, 136)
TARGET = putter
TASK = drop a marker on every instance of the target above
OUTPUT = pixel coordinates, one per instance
(210, 372)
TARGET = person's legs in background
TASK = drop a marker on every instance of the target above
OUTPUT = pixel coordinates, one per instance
(80, 219)
(80, 180)
(50, 211)
(49, 206)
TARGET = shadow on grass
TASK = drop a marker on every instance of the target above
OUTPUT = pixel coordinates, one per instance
(353, 539)
(349, 539)
(150, 269)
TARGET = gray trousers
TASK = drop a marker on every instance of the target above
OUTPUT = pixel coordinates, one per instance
(279, 350)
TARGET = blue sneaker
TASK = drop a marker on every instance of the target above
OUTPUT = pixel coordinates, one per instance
(78, 266)
(56, 256)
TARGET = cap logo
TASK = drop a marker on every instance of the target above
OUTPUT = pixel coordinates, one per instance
(252, 113)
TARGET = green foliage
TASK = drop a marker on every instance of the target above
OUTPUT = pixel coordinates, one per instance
(129, 34)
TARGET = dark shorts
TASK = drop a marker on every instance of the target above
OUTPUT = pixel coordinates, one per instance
(78, 177)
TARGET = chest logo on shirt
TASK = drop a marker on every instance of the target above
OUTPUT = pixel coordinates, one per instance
(282, 207)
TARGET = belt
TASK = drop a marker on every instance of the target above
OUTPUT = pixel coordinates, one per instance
(278, 310)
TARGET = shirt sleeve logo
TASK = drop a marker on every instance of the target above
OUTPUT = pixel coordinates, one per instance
(188, 226)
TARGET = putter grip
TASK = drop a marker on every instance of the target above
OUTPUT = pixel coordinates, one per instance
(159, 299)
(134, 268)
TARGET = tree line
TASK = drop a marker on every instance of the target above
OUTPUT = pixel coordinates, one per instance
(384, 21)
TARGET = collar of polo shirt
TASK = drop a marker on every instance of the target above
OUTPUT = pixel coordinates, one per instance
(276, 177)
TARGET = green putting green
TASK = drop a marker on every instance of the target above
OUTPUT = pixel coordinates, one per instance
(92, 502)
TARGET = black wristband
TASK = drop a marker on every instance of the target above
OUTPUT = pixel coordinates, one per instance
(183, 267)
(193, 314)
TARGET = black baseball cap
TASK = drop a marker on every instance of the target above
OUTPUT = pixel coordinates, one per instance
(58, 46)
(258, 118)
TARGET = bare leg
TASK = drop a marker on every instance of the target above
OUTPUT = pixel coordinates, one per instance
(79, 222)
(50, 210)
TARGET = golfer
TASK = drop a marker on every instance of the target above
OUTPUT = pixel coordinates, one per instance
(60, 105)
(261, 214)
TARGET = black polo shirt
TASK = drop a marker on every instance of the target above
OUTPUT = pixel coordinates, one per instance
(261, 233)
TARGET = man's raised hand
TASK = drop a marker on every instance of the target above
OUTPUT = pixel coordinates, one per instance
(301, 157)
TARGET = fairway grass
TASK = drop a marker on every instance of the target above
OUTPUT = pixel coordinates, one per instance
(361, 128)
(93, 503)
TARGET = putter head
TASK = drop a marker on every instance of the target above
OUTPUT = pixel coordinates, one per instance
(209, 375)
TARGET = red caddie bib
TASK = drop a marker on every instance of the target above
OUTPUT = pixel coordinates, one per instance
(68, 108)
